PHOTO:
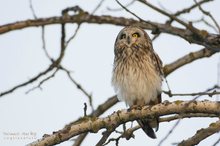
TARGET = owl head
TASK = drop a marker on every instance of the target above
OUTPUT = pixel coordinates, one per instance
(132, 35)
(132, 39)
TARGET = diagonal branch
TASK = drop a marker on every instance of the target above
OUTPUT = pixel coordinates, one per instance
(209, 15)
(187, 10)
(202, 134)
(191, 28)
(187, 59)
(94, 124)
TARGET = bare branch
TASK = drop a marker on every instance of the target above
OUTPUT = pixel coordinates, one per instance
(120, 9)
(96, 113)
(187, 10)
(32, 9)
(55, 64)
(31, 80)
(203, 20)
(191, 28)
(183, 11)
(124, 7)
(198, 94)
(129, 132)
(188, 115)
(215, 144)
(95, 124)
(211, 41)
(170, 132)
(202, 134)
(73, 36)
(79, 87)
(98, 6)
(79, 139)
(187, 59)
(192, 94)
(105, 136)
(44, 44)
(209, 15)
(41, 82)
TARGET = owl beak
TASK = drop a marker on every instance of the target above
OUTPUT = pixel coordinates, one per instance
(128, 40)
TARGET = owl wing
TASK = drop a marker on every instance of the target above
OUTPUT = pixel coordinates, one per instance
(156, 59)
(158, 63)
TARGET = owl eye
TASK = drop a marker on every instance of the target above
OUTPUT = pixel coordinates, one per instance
(135, 35)
(123, 36)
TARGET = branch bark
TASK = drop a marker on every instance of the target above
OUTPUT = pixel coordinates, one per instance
(94, 124)
(201, 134)
(187, 59)
(211, 41)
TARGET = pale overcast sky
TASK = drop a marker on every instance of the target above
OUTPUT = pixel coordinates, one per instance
(90, 57)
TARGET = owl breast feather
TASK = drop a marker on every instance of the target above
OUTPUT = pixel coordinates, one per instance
(135, 78)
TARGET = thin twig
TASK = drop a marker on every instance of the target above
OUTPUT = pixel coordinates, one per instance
(209, 15)
(191, 94)
(139, 18)
(97, 7)
(44, 44)
(73, 36)
(203, 20)
(30, 80)
(79, 87)
(183, 11)
(41, 82)
(187, 10)
(170, 132)
(120, 9)
(85, 109)
(217, 142)
(96, 113)
(198, 94)
(191, 28)
(126, 9)
(188, 115)
(32, 9)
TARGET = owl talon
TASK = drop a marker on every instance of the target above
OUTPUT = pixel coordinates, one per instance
(136, 107)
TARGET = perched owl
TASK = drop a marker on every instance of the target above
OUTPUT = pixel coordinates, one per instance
(137, 73)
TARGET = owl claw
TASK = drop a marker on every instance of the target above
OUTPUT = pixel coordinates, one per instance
(136, 107)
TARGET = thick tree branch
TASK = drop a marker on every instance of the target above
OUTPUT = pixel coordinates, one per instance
(211, 41)
(202, 134)
(94, 124)
(129, 132)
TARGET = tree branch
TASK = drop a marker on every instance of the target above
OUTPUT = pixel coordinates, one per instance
(187, 59)
(211, 41)
(94, 124)
(96, 113)
(201, 134)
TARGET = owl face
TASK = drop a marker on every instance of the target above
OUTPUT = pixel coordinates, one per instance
(130, 36)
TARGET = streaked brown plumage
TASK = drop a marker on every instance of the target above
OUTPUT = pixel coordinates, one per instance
(137, 74)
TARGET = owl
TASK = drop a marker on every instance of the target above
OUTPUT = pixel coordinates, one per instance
(137, 73)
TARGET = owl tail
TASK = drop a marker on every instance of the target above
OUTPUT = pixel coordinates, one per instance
(147, 125)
